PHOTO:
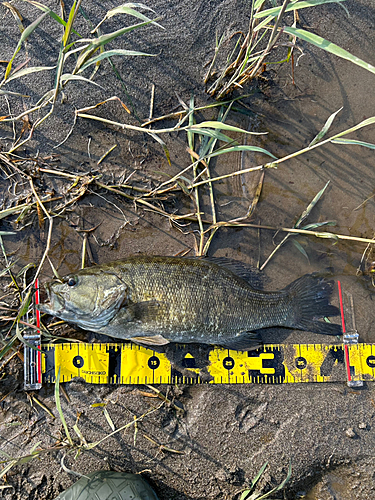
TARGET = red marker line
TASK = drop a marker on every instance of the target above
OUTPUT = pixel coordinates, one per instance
(38, 326)
(346, 349)
(341, 307)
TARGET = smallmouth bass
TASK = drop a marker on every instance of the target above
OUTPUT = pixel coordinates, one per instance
(157, 300)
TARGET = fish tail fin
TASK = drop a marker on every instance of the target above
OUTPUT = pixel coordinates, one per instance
(308, 297)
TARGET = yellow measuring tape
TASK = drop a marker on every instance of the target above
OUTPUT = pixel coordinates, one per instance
(271, 364)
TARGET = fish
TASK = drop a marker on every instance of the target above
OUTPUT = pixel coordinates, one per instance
(157, 300)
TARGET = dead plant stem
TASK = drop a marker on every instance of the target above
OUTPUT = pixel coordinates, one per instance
(308, 232)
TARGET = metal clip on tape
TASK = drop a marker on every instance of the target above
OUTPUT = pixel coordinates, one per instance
(350, 333)
(32, 348)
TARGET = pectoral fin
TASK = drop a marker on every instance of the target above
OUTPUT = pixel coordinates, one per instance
(245, 341)
(153, 340)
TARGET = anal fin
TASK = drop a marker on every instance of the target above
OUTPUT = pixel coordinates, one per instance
(245, 341)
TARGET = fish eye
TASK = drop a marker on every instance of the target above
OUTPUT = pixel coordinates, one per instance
(71, 282)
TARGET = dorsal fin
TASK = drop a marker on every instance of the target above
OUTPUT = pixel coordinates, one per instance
(247, 272)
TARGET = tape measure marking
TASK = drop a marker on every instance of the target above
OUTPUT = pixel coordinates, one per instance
(271, 364)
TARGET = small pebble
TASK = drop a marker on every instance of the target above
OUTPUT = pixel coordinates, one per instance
(362, 426)
(350, 433)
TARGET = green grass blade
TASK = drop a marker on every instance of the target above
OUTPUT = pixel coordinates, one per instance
(79, 434)
(68, 52)
(27, 458)
(119, 10)
(259, 475)
(263, 23)
(60, 65)
(127, 9)
(241, 148)
(364, 123)
(258, 4)
(103, 40)
(28, 31)
(301, 249)
(328, 46)
(330, 236)
(110, 53)
(69, 24)
(210, 133)
(221, 117)
(59, 409)
(6, 455)
(280, 486)
(109, 420)
(6, 269)
(207, 147)
(7, 347)
(108, 37)
(311, 205)
(314, 225)
(25, 269)
(325, 129)
(190, 133)
(246, 493)
(224, 126)
(28, 71)
(68, 76)
(275, 11)
(7, 468)
(25, 304)
(163, 145)
(33, 449)
(7, 92)
(353, 142)
(303, 217)
(31, 28)
(50, 12)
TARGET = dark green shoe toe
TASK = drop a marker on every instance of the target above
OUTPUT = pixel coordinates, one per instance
(108, 485)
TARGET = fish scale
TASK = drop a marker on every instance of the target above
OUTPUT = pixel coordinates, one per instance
(204, 303)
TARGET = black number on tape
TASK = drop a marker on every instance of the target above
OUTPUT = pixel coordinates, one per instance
(78, 361)
(301, 363)
(228, 363)
(153, 362)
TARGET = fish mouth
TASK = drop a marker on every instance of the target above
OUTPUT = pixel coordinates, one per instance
(55, 304)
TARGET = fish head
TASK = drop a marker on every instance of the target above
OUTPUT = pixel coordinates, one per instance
(89, 298)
